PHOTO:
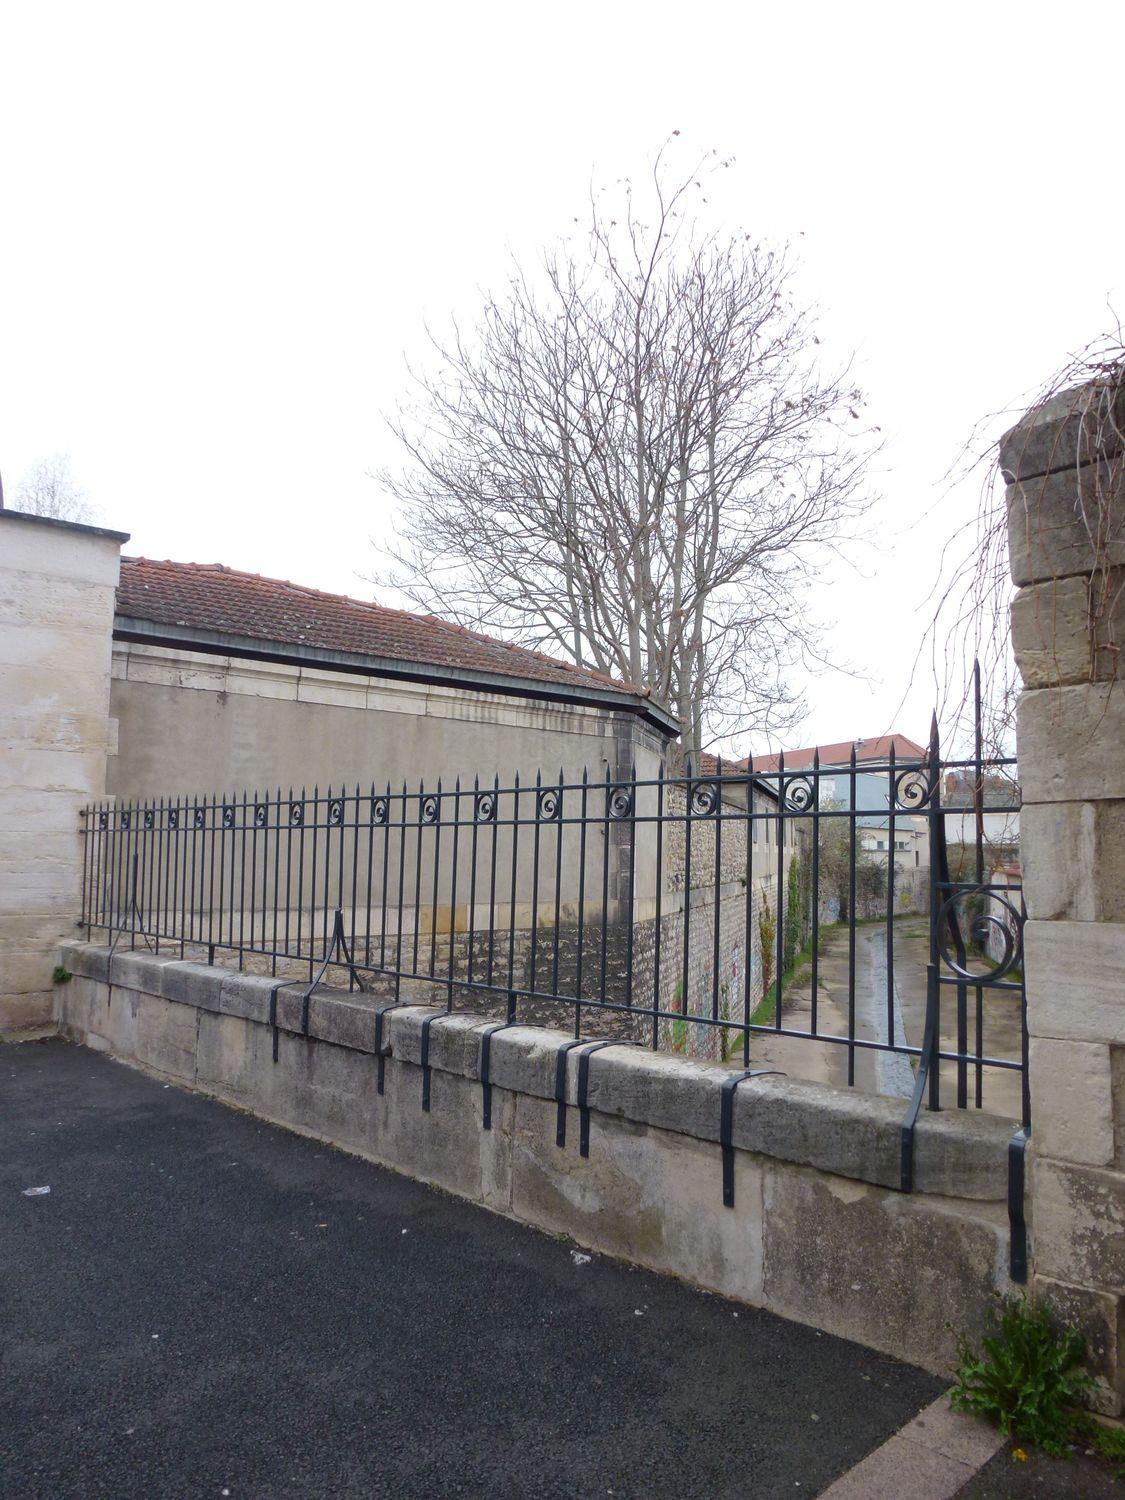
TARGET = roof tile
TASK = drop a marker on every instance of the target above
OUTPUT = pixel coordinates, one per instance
(212, 597)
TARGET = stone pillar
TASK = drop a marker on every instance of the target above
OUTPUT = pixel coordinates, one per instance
(57, 583)
(1065, 463)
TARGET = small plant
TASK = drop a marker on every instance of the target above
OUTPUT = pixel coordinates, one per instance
(767, 932)
(1027, 1378)
(59, 975)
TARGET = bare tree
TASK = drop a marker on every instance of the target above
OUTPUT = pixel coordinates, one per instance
(633, 462)
(49, 489)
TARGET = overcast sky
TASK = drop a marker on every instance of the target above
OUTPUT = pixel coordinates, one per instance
(224, 226)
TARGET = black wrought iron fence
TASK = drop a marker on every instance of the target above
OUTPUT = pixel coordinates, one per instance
(716, 915)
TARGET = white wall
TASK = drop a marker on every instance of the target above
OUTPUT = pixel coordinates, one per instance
(57, 584)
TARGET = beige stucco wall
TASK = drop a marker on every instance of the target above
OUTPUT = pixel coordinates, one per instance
(57, 586)
(192, 723)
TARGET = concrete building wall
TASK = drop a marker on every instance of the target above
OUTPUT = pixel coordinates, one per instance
(191, 722)
(57, 584)
(1066, 531)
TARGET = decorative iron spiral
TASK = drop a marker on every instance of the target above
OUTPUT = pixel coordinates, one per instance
(484, 810)
(103, 820)
(983, 922)
(149, 818)
(798, 793)
(296, 814)
(704, 799)
(913, 789)
(173, 817)
(336, 812)
(199, 817)
(547, 805)
(126, 819)
(429, 809)
(228, 815)
(380, 810)
(619, 803)
(261, 814)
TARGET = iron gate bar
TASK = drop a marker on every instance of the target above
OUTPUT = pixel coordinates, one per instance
(927, 1071)
(169, 870)
(274, 991)
(726, 1124)
(1017, 1222)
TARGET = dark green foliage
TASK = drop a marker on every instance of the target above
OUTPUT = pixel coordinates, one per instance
(1027, 1377)
(793, 937)
(767, 932)
(59, 975)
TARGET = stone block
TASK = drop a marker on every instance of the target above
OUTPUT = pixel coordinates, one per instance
(247, 995)
(343, 1018)
(1117, 1068)
(1079, 1224)
(1072, 743)
(1054, 639)
(446, 1145)
(1100, 1318)
(897, 1272)
(524, 1058)
(454, 1039)
(668, 1092)
(88, 959)
(1053, 521)
(1072, 1089)
(841, 1131)
(188, 983)
(962, 1153)
(1076, 426)
(165, 1037)
(138, 969)
(1076, 980)
(1073, 860)
(647, 1195)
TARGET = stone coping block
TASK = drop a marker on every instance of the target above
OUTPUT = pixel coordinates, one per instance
(958, 1153)
(1076, 426)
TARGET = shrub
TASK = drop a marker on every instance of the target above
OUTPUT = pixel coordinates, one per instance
(794, 937)
(767, 932)
(1027, 1377)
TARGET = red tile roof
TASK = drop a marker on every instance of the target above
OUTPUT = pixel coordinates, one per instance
(213, 598)
(839, 753)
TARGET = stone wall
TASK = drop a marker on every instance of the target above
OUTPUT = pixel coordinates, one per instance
(1066, 519)
(57, 584)
(817, 1232)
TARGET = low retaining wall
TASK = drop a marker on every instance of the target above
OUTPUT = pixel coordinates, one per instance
(817, 1233)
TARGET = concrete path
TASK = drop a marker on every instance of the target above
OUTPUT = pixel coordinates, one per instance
(204, 1305)
(885, 1073)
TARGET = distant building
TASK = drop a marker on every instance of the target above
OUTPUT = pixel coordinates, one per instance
(872, 796)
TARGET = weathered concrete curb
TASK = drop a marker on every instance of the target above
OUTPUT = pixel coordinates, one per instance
(818, 1231)
(931, 1458)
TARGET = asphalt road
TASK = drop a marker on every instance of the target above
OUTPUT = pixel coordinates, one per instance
(204, 1305)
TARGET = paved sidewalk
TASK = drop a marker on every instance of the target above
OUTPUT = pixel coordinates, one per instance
(204, 1305)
